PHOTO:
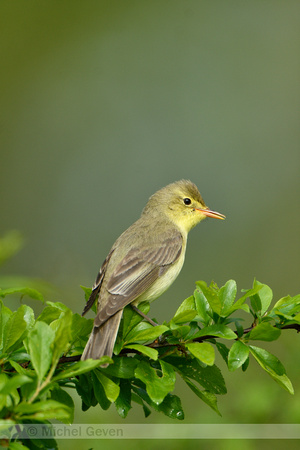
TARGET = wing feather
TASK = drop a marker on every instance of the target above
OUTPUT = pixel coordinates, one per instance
(137, 271)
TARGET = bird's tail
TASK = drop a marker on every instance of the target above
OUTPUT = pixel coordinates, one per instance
(102, 339)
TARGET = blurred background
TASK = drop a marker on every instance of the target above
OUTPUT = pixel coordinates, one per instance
(103, 103)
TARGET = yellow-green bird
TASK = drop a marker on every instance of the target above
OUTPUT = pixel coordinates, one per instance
(144, 261)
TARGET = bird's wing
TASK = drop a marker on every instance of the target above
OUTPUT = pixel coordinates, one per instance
(97, 285)
(138, 270)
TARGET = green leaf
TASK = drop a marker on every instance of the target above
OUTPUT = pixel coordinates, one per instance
(32, 293)
(40, 340)
(202, 351)
(80, 327)
(181, 331)
(86, 388)
(223, 350)
(7, 385)
(210, 377)
(60, 395)
(203, 309)
(137, 399)
(131, 318)
(240, 303)
(43, 410)
(264, 331)
(62, 329)
(267, 360)
(122, 367)
(207, 397)
(123, 402)
(227, 296)
(99, 392)
(272, 366)
(256, 303)
(17, 446)
(184, 316)
(170, 406)
(187, 305)
(81, 367)
(111, 389)
(212, 295)
(5, 314)
(237, 355)
(14, 328)
(148, 334)
(288, 305)
(49, 314)
(265, 295)
(219, 330)
(150, 352)
(157, 386)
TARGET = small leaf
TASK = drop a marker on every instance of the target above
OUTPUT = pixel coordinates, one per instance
(265, 295)
(171, 405)
(30, 292)
(237, 355)
(14, 328)
(150, 352)
(60, 395)
(221, 331)
(81, 367)
(181, 331)
(272, 366)
(122, 367)
(157, 387)
(202, 351)
(40, 340)
(187, 305)
(264, 332)
(7, 385)
(131, 318)
(240, 303)
(62, 329)
(203, 309)
(223, 350)
(123, 402)
(149, 334)
(5, 314)
(212, 296)
(80, 327)
(227, 296)
(111, 389)
(256, 303)
(210, 377)
(49, 314)
(207, 397)
(267, 360)
(43, 410)
(288, 305)
(184, 316)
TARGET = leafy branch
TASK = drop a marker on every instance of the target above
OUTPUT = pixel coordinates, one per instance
(40, 356)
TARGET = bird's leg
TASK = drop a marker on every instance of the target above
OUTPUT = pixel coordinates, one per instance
(144, 315)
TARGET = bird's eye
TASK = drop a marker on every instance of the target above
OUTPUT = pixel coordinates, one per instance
(187, 201)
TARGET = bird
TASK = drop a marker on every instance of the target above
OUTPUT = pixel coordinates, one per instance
(144, 261)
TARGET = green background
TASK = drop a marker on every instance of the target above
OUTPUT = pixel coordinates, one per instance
(103, 103)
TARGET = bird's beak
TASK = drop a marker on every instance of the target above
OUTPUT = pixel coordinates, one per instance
(209, 213)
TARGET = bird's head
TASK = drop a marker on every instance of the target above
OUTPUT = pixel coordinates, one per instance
(182, 203)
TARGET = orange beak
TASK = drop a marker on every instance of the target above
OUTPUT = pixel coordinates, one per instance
(209, 213)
